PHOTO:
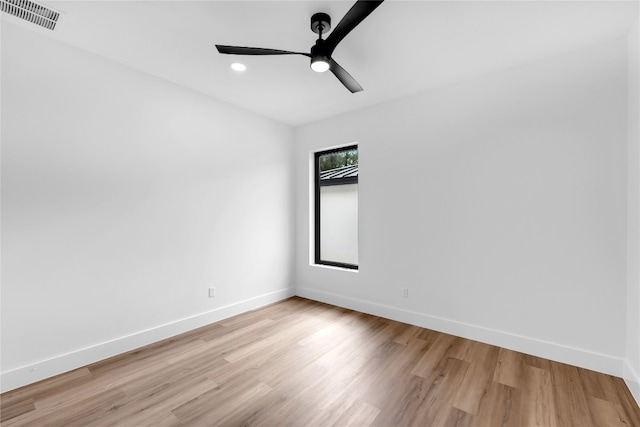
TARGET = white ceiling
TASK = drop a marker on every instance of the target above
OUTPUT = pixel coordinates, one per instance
(403, 47)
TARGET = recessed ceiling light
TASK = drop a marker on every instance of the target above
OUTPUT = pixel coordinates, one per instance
(237, 66)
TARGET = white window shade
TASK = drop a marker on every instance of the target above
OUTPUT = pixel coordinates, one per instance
(339, 223)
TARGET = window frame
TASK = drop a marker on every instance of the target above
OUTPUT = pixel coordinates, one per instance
(317, 184)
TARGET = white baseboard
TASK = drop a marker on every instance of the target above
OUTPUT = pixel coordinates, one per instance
(66, 362)
(549, 350)
(632, 379)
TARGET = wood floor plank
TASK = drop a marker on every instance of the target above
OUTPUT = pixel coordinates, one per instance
(150, 405)
(433, 355)
(224, 335)
(357, 414)
(167, 420)
(292, 329)
(429, 402)
(536, 362)
(435, 408)
(406, 334)
(478, 379)
(538, 403)
(15, 407)
(624, 397)
(120, 365)
(75, 395)
(607, 414)
(458, 418)
(570, 398)
(291, 400)
(380, 376)
(211, 407)
(501, 407)
(304, 363)
(598, 385)
(333, 398)
(277, 370)
(79, 413)
(509, 369)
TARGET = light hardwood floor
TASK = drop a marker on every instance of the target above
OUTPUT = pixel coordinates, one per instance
(303, 363)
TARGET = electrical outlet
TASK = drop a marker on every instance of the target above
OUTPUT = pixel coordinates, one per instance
(405, 292)
(212, 292)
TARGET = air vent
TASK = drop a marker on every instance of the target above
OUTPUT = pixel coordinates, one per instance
(32, 12)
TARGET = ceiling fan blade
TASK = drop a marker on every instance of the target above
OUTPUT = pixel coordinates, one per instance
(239, 50)
(344, 77)
(354, 16)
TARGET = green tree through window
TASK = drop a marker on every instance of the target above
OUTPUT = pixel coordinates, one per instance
(338, 160)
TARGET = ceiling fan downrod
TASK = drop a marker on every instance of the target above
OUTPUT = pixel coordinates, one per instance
(320, 61)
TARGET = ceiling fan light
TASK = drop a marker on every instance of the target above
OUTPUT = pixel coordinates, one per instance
(320, 65)
(238, 66)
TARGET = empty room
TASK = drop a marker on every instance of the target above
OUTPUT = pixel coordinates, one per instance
(189, 238)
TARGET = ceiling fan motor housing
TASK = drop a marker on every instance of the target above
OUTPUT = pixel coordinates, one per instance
(320, 61)
(320, 21)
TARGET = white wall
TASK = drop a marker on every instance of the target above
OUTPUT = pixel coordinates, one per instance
(124, 198)
(499, 202)
(632, 365)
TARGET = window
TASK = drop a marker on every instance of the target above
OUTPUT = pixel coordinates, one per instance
(336, 207)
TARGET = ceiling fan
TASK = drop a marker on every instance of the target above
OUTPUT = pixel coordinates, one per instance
(321, 52)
